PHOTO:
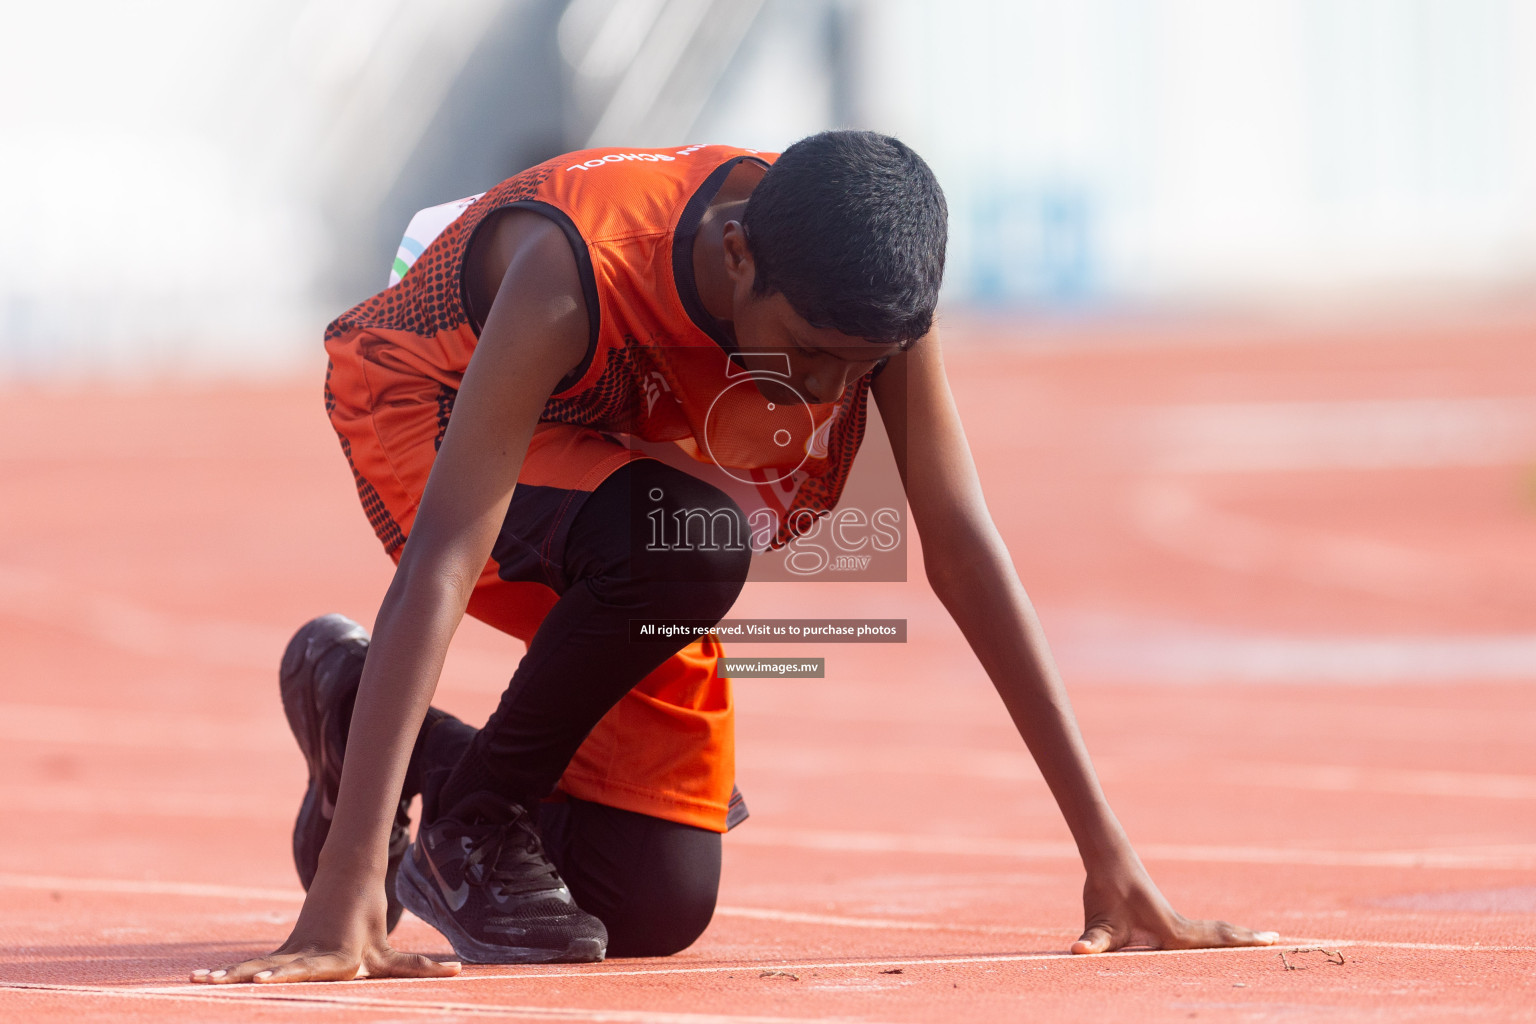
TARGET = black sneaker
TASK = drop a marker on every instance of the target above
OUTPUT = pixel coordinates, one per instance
(319, 676)
(479, 875)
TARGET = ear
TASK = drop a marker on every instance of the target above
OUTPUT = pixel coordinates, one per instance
(739, 265)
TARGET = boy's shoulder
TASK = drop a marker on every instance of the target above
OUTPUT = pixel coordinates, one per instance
(595, 194)
(614, 193)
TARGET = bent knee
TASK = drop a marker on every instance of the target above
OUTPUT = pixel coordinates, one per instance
(690, 532)
(662, 927)
(651, 882)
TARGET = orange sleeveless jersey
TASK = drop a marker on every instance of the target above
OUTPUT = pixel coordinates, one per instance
(657, 367)
(656, 371)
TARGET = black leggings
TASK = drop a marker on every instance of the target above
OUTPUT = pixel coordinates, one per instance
(651, 882)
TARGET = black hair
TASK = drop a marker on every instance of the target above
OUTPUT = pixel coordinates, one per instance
(850, 227)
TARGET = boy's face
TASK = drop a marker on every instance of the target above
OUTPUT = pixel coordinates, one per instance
(822, 362)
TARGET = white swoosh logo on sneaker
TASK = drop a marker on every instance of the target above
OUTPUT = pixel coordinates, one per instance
(454, 897)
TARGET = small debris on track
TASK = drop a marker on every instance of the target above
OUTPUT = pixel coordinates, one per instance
(1331, 954)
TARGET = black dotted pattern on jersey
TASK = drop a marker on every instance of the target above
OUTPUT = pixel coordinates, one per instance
(820, 493)
(445, 397)
(428, 300)
(383, 523)
(613, 401)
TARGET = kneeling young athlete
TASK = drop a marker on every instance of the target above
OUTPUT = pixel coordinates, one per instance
(495, 405)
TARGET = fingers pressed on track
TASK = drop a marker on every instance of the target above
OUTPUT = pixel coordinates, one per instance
(1097, 939)
(293, 967)
(1102, 938)
(411, 965)
(1218, 935)
(325, 967)
(236, 973)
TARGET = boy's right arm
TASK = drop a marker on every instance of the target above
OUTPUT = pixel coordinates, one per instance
(535, 333)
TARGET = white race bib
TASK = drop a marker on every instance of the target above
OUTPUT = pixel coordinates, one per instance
(423, 228)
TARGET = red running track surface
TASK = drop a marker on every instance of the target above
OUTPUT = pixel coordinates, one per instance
(1288, 574)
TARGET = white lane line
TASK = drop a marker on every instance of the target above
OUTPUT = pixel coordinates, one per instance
(78, 799)
(1147, 652)
(1173, 514)
(254, 994)
(874, 923)
(1248, 437)
(536, 974)
(1448, 947)
(1018, 766)
(155, 730)
(1511, 858)
(189, 990)
(61, 883)
(75, 800)
(56, 883)
(1400, 782)
(127, 625)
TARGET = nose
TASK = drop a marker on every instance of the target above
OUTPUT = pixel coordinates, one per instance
(824, 385)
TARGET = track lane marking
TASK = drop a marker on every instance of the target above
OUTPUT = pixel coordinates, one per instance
(1510, 857)
(1018, 766)
(75, 800)
(43, 882)
(138, 887)
(189, 990)
(1364, 779)
(990, 958)
(1513, 858)
(125, 624)
(257, 994)
(56, 883)
(94, 727)
(1337, 434)
(875, 923)
(136, 727)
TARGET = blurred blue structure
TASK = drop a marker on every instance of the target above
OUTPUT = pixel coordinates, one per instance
(1032, 245)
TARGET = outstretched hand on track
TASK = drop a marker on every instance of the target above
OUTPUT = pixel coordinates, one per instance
(1123, 910)
(335, 939)
(316, 964)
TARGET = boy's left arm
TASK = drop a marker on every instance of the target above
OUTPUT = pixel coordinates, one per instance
(972, 574)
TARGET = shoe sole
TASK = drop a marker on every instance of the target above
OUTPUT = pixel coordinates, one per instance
(420, 897)
(302, 702)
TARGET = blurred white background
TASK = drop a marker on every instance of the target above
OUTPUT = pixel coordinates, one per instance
(198, 187)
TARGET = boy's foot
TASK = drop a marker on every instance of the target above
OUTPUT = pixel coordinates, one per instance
(479, 875)
(319, 676)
